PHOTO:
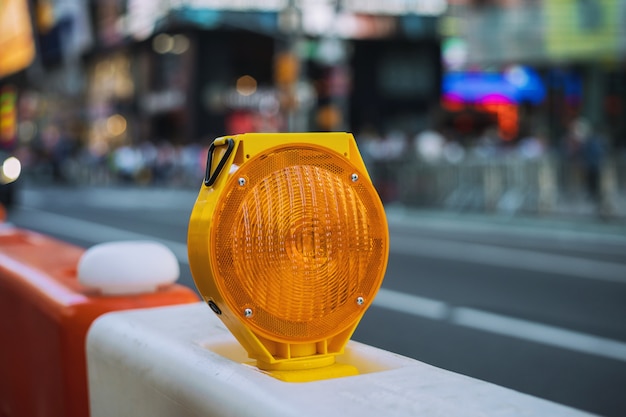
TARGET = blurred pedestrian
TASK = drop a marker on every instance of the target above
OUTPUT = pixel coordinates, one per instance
(382, 154)
(593, 158)
(127, 162)
(533, 146)
(58, 148)
(589, 149)
(429, 145)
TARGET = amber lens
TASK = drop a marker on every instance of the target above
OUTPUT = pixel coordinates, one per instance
(299, 243)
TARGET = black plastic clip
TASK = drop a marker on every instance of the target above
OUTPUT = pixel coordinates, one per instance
(209, 179)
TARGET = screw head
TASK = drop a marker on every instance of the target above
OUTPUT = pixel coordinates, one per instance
(247, 312)
(242, 181)
(360, 301)
(354, 177)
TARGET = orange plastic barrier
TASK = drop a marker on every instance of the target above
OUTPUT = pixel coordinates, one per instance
(44, 317)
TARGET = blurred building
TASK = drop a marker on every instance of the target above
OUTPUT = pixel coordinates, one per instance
(113, 72)
(578, 48)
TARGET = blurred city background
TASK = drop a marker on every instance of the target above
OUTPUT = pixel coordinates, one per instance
(494, 131)
(499, 106)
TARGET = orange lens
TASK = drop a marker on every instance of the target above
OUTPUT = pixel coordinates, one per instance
(300, 247)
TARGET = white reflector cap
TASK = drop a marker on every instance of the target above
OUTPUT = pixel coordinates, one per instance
(132, 267)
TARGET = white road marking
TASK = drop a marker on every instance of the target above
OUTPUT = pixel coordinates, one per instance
(502, 325)
(411, 304)
(539, 333)
(511, 258)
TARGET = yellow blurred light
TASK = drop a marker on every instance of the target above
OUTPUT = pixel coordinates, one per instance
(116, 125)
(329, 117)
(16, 37)
(162, 43)
(44, 16)
(246, 85)
(288, 243)
(286, 68)
(180, 44)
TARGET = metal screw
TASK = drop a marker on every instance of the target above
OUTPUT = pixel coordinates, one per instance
(248, 312)
(242, 181)
(360, 300)
(354, 177)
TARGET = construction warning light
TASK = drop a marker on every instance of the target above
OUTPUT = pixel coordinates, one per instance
(288, 244)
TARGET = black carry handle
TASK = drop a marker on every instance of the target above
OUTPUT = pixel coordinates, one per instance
(209, 179)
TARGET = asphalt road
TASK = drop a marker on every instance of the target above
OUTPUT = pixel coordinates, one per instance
(534, 305)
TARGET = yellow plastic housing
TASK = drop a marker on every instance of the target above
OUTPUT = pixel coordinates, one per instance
(288, 244)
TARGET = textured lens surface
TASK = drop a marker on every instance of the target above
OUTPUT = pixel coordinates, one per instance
(298, 243)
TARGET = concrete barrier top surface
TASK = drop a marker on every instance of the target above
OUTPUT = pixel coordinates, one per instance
(182, 361)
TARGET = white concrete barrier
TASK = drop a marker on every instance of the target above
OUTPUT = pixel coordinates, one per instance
(181, 361)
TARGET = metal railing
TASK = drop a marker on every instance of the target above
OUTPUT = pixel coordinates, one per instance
(547, 185)
(507, 184)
